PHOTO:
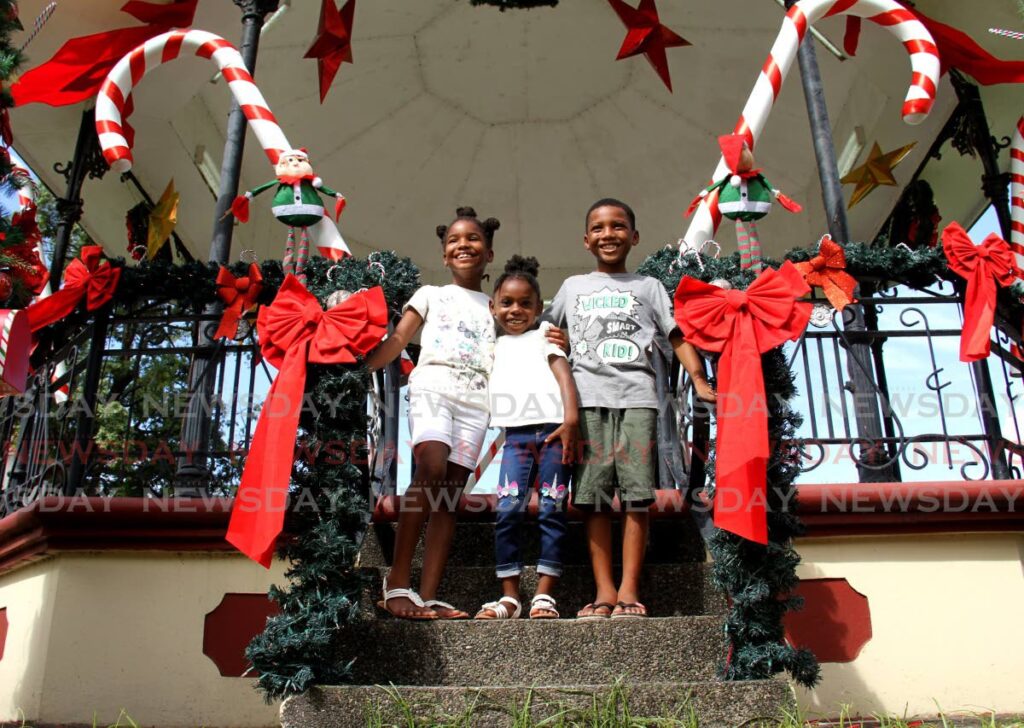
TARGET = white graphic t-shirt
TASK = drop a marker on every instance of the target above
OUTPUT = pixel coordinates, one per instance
(458, 343)
(612, 319)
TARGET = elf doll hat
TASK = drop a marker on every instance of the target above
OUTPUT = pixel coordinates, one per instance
(732, 146)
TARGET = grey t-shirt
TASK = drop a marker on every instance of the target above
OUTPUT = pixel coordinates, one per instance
(612, 319)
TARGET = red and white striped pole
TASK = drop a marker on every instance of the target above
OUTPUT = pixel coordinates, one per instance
(1017, 207)
(916, 39)
(486, 458)
(1017, 193)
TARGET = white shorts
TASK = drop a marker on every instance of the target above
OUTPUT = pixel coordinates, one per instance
(441, 418)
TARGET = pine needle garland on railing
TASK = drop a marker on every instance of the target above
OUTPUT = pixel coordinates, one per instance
(757, 579)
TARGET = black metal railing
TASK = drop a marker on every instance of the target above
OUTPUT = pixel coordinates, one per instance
(105, 410)
(940, 419)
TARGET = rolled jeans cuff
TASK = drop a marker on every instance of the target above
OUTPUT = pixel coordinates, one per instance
(506, 570)
(549, 569)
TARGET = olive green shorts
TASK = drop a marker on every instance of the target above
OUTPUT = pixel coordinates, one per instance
(619, 451)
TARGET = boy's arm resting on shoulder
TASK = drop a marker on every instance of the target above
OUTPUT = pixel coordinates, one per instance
(558, 337)
(693, 364)
(569, 430)
(392, 346)
(555, 315)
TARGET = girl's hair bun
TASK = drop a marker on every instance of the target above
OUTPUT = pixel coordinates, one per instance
(521, 264)
(488, 226)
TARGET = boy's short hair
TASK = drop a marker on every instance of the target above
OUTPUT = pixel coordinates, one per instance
(611, 202)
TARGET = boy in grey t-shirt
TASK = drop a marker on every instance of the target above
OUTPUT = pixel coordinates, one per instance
(612, 317)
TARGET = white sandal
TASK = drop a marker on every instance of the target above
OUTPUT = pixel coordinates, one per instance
(436, 604)
(545, 603)
(409, 594)
(500, 609)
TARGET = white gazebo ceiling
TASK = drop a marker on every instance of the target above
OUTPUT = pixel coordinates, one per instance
(525, 115)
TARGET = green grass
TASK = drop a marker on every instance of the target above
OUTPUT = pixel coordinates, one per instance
(612, 710)
(123, 721)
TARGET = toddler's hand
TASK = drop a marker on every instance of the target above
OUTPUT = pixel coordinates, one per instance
(569, 433)
(558, 337)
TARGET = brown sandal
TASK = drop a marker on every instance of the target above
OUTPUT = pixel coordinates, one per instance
(450, 612)
(592, 615)
(620, 611)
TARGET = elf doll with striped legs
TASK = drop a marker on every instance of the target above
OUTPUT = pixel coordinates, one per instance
(744, 197)
(297, 204)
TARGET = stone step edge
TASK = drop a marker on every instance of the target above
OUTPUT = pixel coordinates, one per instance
(714, 702)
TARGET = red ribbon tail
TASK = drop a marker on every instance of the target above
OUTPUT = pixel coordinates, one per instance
(693, 205)
(53, 308)
(229, 321)
(742, 458)
(976, 337)
(339, 205)
(979, 315)
(741, 501)
(257, 515)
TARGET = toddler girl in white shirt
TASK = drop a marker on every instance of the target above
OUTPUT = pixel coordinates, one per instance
(533, 397)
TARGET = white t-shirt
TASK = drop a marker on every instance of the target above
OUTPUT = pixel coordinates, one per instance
(524, 390)
(458, 343)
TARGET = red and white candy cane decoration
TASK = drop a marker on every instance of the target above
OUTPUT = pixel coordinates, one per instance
(1017, 193)
(924, 61)
(27, 201)
(117, 88)
(484, 462)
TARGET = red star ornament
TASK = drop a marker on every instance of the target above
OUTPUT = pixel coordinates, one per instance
(333, 43)
(647, 35)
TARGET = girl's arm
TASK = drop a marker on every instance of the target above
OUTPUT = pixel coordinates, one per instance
(392, 346)
(691, 361)
(569, 430)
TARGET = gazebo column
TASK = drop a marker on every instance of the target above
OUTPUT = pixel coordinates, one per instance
(193, 466)
(859, 356)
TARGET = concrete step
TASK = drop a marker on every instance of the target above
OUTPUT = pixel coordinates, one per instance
(668, 590)
(716, 704)
(671, 541)
(514, 652)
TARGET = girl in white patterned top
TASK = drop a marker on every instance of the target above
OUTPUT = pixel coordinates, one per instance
(448, 409)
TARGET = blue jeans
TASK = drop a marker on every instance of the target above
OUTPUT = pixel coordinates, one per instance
(526, 462)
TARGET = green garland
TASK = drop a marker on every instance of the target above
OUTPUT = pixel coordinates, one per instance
(754, 576)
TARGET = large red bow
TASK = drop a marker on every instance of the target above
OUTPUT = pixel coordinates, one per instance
(983, 267)
(77, 69)
(827, 270)
(294, 331)
(89, 277)
(742, 325)
(238, 295)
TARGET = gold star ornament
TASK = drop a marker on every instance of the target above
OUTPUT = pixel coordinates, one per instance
(877, 170)
(162, 220)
